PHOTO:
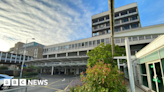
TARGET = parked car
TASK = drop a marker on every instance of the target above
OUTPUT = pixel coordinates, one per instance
(2, 77)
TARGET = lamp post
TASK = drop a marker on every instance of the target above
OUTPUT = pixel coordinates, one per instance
(24, 57)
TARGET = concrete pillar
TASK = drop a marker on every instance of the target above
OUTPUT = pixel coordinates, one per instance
(56, 55)
(0, 56)
(47, 56)
(52, 70)
(65, 71)
(118, 63)
(130, 69)
(6, 57)
(78, 53)
(20, 58)
(15, 58)
(66, 54)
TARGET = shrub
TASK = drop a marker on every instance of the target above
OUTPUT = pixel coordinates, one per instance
(30, 73)
(102, 78)
(3, 68)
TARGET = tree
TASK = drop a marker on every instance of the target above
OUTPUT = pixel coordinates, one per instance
(104, 53)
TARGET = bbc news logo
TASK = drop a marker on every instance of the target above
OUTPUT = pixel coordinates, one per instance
(24, 82)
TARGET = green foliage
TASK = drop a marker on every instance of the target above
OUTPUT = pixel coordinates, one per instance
(102, 78)
(30, 73)
(3, 68)
(104, 53)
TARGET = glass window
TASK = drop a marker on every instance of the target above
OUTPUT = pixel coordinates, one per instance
(116, 14)
(154, 36)
(134, 26)
(102, 40)
(79, 45)
(86, 43)
(143, 68)
(64, 47)
(95, 20)
(82, 44)
(59, 48)
(133, 10)
(108, 31)
(101, 26)
(94, 42)
(107, 40)
(117, 40)
(148, 37)
(98, 41)
(117, 29)
(56, 48)
(135, 38)
(125, 20)
(95, 34)
(117, 22)
(133, 18)
(101, 19)
(103, 32)
(75, 45)
(125, 27)
(69, 46)
(122, 40)
(129, 38)
(152, 56)
(95, 27)
(90, 42)
(107, 17)
(124, 13)
(108, 24)
(72, 45)
(141, 37)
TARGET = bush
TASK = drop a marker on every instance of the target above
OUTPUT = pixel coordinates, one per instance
(102, 78)
(3, 68)
(30, 73)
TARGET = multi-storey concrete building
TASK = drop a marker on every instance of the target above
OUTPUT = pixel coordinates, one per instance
(126, 18)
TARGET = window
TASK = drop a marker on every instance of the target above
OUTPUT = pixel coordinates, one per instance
(103, 32)
(63, 47)
(82, 44)
(117, 22)
(117, 40)
(124, 13)
(72, 45)
(134, 26)
(101, 19)
(95, 27)
(133, 18)
(79, 45)
(117, 29)
(69, 46)
(129, 38)
(148, 37)
(108, 24)
(154, 36)
(107, 17)
(94, 42)
(1, 77)
(135, 38)
(101, 26)
(98, 41)
(94, 21)
(141, 37)
(95, 34)
(125, 20)
(90, 43)
(86, 44)
(108, 31)
(116, 14)
(133, 10)
(107, 40)
(56, 48)
(75, 45)
(122, 40)
(102, 40)
(59, 48)
(125, 27)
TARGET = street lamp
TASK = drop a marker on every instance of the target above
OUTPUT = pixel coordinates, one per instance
(24, 57)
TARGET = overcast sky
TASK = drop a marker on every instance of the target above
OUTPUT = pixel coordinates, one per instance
(57, 21)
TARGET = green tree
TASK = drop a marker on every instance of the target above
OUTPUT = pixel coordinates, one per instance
(104, 53)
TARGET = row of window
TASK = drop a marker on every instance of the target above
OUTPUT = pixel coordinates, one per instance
(116, 22)
(116, 15)
(97, 42)
(117, 29)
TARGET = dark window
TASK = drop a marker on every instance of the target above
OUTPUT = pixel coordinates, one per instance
(117, 22)
(154, 36)
(75, 45)
(107, 40)
(101, 19)
(107, 17)
(133, 18)
(82, 44)
(125, 20)
(90, 43)
(148, 37)
(79, 45)
(141, 37)
(94, 21)
(102, 40)
(117, 29)
(122, 40)
(117, 40)
(124, 13)
(1, 77)
(125, 27)
(86, 43)
(135, 38)
(95, 27)
(133, 10)
(98, 41)
(72, 45)
(69, 46)
(103, 32)
(108, 24)
(93, 42)
(116, 14)
(129, 38)
(134, 26)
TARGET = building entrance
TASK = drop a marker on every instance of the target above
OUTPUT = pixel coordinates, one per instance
(155, 75)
